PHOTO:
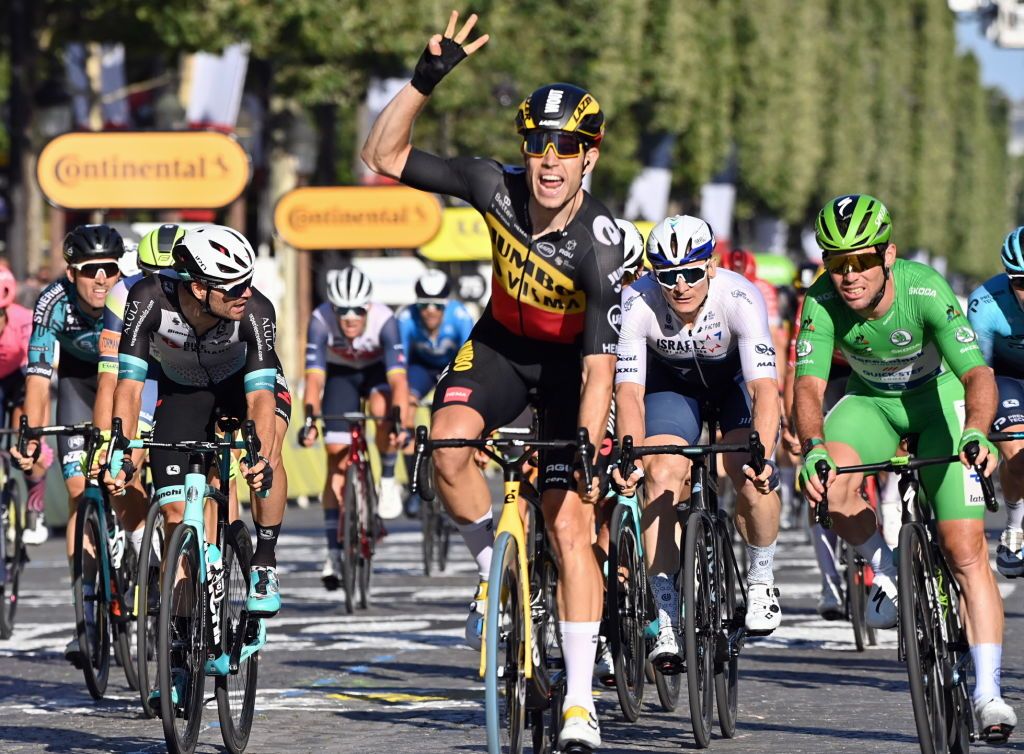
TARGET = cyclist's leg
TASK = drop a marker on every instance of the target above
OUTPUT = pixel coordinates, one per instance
(341, 395)
(960, 510)
(131, 507)
(378, 393)
(1010, 418)
(421, 382)
(12, 395)
(830, 603)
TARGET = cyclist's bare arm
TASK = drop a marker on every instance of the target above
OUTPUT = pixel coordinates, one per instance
(981, 396)
(37, 405)
(260, 408)
(808, 411)
(596, 396)
(764, 407)
(399, 383)
(389, 142)
(629, 420)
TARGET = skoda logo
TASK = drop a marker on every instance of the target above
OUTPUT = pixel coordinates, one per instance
(546, 249)
(900, 338)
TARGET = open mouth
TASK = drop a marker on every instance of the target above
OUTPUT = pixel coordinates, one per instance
(551, 184)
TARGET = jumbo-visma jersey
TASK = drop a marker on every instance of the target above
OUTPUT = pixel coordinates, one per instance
(562, 287)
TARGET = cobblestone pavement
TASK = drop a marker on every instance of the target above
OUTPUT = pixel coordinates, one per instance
(397, 678)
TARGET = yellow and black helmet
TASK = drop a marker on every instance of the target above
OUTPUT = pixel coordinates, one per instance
(562, 107)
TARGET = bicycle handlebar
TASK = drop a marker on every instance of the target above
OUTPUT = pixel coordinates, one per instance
(394, 416)
(83, 429)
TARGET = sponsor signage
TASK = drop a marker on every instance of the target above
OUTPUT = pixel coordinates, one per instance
(143, 170)
(357, 217)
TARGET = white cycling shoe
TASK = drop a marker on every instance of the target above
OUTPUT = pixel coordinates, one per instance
(666, 655)
(996, 720)
(880, 611)
(35, 532)
(604, 664)
(389, 501)
(763, 612)
(579, 728)
(475, 619)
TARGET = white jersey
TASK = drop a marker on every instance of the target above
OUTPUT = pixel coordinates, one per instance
(729, 337)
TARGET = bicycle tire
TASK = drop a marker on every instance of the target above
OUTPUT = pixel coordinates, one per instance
(668, 687)
(856, 600)
(626, 612)
(546, 687)
(505, 649)
(368, 543)
(236, 693)
(918, 635)
(350, 541)
(94, 645)
(727, 670)
(122, 624)
(147, 615)
(444, 528)
(182, 640)
(428, 527)
(16, 556)
(699, 627)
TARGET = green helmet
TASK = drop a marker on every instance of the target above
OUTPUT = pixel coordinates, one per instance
(852, 222)
(155, 247)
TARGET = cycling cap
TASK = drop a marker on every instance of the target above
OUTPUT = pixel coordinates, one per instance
(213, 254)
(633, 242)
(679, 240)
(348, 287)
(562, 107)
(92, 242)
(156, 246)
(1012, 255)
(8, 287)
(852, 222)
(434, 285)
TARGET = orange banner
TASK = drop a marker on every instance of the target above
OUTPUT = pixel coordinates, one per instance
(355, 217)
(143, 170)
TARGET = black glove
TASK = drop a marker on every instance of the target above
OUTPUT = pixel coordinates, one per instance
(432, 68)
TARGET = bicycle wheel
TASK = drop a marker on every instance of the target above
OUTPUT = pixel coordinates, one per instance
(182, 642)
(428, 527)
(350, 541)
(122, 622)
(727, 671)
(856, 598)
(625, 592)
(544, 713)
(147, 606)
(700, 628)
(668, 687)
(236, 693)
(505, 647)
(91, 599)
(15, 556)
(444, 539)
(367, 542)
(919, 634)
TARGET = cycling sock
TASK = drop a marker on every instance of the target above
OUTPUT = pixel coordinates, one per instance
(579, 646)
(891, 489)
(1015, 513)
(331, 518)
(136, 537)
(479, 538)
(761, 560)
(825, 552)
(36, 498)
(987, 659)
(266, 542)
(666, 597)
(387, 465)
(878, 555)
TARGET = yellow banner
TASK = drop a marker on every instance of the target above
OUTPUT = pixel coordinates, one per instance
(143, 170)
(462, 238)
(357, 217)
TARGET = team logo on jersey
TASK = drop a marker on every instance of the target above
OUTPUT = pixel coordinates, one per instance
(546, 249)
(900, 338)
(803, 348)
(464, 358)
(615, 317)
(952, 313)
(964, 334)
(764, 350)
(606, 231)
(807, 324)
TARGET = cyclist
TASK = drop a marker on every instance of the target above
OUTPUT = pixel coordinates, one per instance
(432, 331)
(745, 263)
(69, 311)
(634, 263)
(693, 336)
(557, 257)
(213, 337)
(353, 351)
(15, 331)
(917, 366)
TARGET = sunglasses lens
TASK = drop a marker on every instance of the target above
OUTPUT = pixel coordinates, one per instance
(852, 262)
(535, 143)
(692, 276)
(430, 305)
(1017, 281)
(351, 311)
(109, 269)
(237, 289)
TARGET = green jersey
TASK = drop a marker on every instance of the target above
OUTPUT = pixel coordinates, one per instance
(923, 337)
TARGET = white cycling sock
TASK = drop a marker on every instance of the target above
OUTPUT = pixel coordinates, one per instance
(479, 538)
(762, 561)
(891, 489)
(878, 555)
(579, 646)
(666, 597)
(136, 537)
(825, 553)
(988, 660)
(1015, 514)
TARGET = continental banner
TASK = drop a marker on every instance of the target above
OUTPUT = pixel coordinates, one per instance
(357, 217)
(143, 170)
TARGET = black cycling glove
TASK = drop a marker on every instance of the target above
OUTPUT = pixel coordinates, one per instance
(432, 68)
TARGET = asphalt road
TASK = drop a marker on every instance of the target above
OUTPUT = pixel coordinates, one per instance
(397, 678)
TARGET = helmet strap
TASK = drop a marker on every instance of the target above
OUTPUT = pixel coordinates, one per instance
(885, 282)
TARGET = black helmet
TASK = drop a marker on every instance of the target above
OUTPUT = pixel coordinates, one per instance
(433, 285)
(92, 242)
(562, 107)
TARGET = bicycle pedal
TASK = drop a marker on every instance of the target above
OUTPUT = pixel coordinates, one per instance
(576, 748)
(996, 734)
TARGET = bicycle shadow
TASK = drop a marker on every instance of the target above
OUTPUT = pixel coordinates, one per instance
(62, 741)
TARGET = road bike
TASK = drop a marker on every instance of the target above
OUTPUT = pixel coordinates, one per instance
(932, 638)
(204, 628)
(13, 550)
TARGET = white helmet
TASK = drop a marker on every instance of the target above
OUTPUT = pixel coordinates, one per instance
(433, 286)
(679, 240)
(633, 241)
(213, 254)
(348, 288)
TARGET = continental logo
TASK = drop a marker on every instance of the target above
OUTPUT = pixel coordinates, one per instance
(143, 170)
(464, 358)
(530, 279)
